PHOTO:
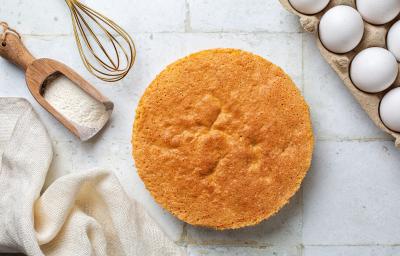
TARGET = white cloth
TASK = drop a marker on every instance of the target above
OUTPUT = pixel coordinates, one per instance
(79, 214)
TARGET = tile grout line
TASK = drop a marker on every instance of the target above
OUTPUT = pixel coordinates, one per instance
(260, 246)
(188, 19)
(190, 31)
(302, 218)
(302, 187)
(302, 65)
(349, 139)
(184, 236)
(353, 245)
(301, 250)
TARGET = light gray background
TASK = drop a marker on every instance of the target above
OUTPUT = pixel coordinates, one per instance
(349, 203)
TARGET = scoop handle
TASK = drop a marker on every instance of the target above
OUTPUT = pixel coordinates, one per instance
(15, 51)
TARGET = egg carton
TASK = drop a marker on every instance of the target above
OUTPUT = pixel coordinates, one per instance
(374, 36)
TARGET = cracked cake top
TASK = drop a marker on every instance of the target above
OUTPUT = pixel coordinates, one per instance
(222, 138)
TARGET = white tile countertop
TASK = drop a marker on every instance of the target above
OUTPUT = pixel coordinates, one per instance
(349, 203)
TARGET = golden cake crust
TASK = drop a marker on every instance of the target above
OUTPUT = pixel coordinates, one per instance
(222, 138)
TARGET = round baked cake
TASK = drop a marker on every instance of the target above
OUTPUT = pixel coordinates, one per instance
(222, 138)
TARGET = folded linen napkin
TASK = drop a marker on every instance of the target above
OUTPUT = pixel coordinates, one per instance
(85, 213)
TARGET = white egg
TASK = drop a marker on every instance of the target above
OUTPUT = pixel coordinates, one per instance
(378, 12)
(393, 40)
(389, 109)
(341, 29)
(309, 6)
(373, 70)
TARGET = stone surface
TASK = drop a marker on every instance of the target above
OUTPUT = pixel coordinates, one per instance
(240, 15)
(352, 194)
(242, 251)
(350, 199)
(351, 250)
(48, 17)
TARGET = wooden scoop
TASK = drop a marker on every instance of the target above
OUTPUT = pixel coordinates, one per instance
(38, 72)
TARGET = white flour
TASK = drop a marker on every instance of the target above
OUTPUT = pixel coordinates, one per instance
(75, 104)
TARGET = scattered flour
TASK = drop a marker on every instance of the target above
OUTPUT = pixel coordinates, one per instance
(74, 103)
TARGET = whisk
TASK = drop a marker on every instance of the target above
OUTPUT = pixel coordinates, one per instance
(108, 60)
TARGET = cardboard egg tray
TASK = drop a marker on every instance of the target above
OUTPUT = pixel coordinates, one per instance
(374, 36)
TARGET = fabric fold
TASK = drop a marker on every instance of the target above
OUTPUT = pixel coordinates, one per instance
(82, 213)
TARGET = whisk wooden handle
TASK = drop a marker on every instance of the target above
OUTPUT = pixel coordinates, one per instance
(15, 51)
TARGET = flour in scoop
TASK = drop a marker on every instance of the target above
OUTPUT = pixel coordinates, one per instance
(74, 103)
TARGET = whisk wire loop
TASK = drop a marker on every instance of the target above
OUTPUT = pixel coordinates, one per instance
(107, 66)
